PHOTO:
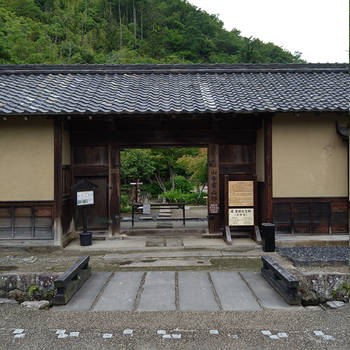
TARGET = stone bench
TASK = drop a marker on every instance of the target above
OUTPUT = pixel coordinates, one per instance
(67, 284)
(281, 280)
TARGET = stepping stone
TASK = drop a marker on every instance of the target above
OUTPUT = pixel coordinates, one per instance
(145, 218)
(158, 292)
(174, 242)
(195, 292)
(164, 225)
(155, 242)
(87, 294)
(233, 292)
(268, 297)
(164, 215)
(120, 293)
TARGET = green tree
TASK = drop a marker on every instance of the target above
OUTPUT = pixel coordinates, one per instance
(136, 164)
(197, 167)
(166, 164)
(123, 31)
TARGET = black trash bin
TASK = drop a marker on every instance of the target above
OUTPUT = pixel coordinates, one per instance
(85, 238)
(268, 236)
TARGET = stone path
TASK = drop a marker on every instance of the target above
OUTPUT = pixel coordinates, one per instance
(170, 290)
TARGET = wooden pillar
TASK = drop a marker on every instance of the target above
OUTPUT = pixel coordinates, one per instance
(268, 168)
(58, 180)
(213, 189)
(114, 189)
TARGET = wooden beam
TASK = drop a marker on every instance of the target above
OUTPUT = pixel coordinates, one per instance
(228, 238)
(268, 168)
(114, 188)
(58, 173)
(213, 189)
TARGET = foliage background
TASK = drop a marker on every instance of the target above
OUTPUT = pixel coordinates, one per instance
(123, 31)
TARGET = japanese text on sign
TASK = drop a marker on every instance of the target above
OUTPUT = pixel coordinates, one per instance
(214, 198)
(241, 217)
(85, 198)
(241, 193)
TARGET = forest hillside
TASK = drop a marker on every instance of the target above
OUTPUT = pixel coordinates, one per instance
(123, 31)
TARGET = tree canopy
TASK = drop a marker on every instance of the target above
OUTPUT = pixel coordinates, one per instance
(123, 31)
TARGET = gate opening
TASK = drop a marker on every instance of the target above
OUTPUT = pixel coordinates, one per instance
(164, 189)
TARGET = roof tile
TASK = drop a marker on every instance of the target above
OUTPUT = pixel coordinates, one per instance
(177, 89)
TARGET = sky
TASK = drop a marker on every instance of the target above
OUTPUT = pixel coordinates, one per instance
(319, 29)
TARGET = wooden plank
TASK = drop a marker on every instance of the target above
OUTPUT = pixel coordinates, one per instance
(90, 170)
(72, 271)
(23, 212)
(43, 212)
(213, 191)
(72, 280)
(257, 234)
(228, 238)
(241, 193)
(58, 168)
(88, 155)
(268, 167)
(114, 188)
(282, 273)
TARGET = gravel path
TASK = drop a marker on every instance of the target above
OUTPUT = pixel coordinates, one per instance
(316, 255)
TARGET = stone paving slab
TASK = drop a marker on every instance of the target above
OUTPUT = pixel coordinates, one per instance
(233, 292)
(170, 263)
(157, 254)
(267, 296)
(158, 292)
(195, 292)
(120, 293)
(85, 297)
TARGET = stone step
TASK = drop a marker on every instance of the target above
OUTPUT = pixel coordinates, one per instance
(145, 217)
(165, 225)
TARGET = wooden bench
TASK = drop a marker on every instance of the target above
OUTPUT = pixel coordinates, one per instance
(281, 280)
(67, 284)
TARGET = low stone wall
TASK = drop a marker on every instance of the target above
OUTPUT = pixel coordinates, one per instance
(17, 286)
(319, 288)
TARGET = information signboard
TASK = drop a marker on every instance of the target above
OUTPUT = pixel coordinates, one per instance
(85, 198)
(241, 193)
(241, 216)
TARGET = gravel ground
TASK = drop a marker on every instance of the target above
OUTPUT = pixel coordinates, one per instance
(198, 330)
(336, 255)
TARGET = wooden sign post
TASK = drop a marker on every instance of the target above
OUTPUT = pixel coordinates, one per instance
(240, 204)
(85, 196)
(136, 184)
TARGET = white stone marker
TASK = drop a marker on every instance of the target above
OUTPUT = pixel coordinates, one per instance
(18, 331)
(328, 337)
(74, 334)
(21, 335)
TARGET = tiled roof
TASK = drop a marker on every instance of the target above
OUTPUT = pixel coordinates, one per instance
(220, 88)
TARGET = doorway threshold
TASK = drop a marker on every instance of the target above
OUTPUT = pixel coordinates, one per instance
(165, 232)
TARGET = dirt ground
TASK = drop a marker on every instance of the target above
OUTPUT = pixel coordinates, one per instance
(44, 260)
